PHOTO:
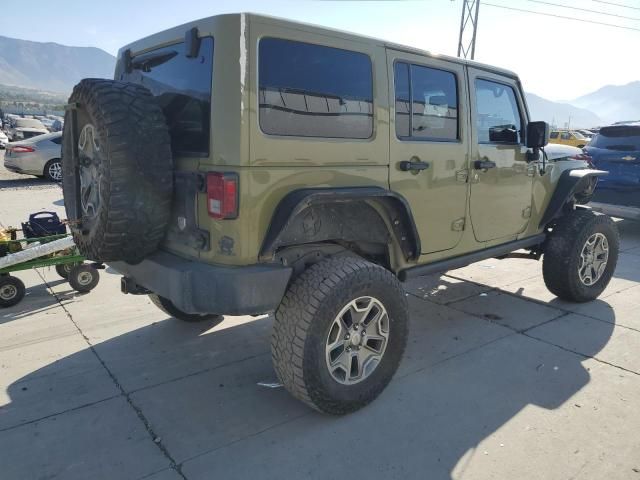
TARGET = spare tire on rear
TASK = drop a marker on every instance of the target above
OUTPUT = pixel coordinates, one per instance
(117, 170)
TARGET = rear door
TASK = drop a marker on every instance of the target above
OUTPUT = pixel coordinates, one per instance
(429, 144)
(502, 181)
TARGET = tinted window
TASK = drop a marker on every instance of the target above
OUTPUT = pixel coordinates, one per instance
(565, 136)
(497, 113)
(624, 139)
(553, 135)
(314, 91)
(433, 97)
(182, 86)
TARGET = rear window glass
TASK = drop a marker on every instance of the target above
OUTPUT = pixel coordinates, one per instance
(625, 139)
(182, 86)
(314, 91)
(26, 135)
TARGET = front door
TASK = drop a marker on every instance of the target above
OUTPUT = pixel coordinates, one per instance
(429, 145)
(501, 179)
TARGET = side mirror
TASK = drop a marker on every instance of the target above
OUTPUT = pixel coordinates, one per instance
(537, 134)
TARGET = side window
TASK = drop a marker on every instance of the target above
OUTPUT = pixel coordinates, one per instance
(553, 135)
(426, 103)
(497, 113)
(565, 136)
(311, 90)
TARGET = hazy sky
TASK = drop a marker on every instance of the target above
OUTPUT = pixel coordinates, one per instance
(555, 58)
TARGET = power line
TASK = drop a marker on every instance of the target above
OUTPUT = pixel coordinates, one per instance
(617, 4)
(561, 16)
(584, 9)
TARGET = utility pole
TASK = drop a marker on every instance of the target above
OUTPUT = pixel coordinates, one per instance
(468, 28)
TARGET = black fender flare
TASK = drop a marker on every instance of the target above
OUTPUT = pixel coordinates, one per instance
(570, 182)
(298, 219)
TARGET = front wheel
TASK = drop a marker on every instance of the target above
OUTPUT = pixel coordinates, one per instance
(581, 256)
(170, 309)
(339, 334)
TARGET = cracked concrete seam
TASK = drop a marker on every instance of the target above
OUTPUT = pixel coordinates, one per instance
(147, 425)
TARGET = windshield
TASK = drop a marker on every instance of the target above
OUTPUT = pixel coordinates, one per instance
(182, 86)
(626, 139)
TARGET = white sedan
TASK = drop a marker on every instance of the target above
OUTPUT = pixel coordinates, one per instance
(38, 156)
(3, 139)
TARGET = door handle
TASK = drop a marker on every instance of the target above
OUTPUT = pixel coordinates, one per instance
(415, 166)
(484, 164)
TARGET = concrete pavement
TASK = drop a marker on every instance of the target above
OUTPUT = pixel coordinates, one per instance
(500, 380)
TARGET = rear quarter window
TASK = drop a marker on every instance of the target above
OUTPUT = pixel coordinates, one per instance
(182, 86)
(310, 90)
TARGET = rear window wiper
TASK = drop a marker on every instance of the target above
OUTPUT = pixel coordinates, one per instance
(150, 60)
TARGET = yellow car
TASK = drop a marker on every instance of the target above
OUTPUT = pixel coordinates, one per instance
(568, 137)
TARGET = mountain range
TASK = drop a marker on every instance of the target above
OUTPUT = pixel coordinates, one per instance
(57, 68)
(50, 66)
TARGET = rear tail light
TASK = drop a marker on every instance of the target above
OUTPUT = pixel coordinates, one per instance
(222, 195)
(22, 149)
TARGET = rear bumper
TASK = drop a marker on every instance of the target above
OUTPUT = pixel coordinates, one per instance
(21, 167)
(620, 211)
(196, 287)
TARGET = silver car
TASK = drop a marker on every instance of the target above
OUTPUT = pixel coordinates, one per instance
(38, 156)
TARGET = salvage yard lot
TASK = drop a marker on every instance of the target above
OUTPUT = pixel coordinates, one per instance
(500, 380)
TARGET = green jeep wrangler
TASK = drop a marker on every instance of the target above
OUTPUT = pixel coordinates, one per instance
(242, 164)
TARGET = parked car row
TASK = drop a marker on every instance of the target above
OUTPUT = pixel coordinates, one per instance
(39, 155)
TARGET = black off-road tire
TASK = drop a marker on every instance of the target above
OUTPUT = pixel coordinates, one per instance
(562, 255)
(170, 309)
(12, 291)
(302, 324)
(134, 171)
(83, 278)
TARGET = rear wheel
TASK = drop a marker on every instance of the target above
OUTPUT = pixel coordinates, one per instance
(581, 256)
(53, 170)
(11, 291)
(339, 334)
(170, 309)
